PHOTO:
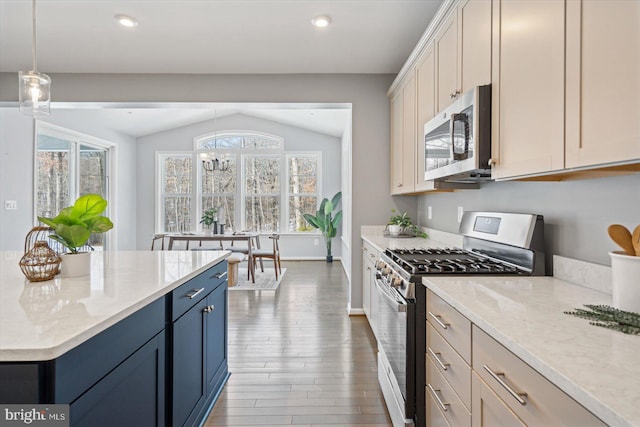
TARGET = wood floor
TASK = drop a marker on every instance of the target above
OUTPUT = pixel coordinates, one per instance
(297, 359)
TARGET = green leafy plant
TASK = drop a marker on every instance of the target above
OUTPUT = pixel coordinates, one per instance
(74, 225)
(325, 221)
(610, 318)
(404, 221)
(209, 217)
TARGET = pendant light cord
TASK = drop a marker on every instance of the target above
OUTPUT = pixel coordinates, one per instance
(33, 49)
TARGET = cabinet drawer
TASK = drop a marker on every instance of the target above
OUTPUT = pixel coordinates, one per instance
(188, 294)
(370, 252)
(453, 326)
(457, 372)
(528, 394)
(438, 388)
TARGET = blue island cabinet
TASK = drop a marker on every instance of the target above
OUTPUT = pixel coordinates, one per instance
(199, 346)
(163, 365)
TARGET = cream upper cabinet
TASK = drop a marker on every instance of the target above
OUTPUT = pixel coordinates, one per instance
(603, 93)
(447, 76)
(528, 84)
(403, 134)
(474, 33)
(425, 111)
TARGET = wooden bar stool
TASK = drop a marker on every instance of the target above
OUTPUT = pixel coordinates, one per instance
(232, 269)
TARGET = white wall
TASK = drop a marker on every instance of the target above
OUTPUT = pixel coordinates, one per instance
(370, 197)
(16, 177)
(181, 139)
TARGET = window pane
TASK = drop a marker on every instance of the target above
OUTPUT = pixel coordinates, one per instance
(177, 181)
(177, 214)
(53, 182)
(298, 206)
(303, 175)
(262, 213)
(93, 179)
(261, 141)
(262, 175)
(221, 141)
(177, 175)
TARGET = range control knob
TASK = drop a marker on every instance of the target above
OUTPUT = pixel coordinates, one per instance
(386, 271)
(380, 264)
(396, 282)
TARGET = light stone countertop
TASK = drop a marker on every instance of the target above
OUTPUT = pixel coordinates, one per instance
(598, 367)
(43, 320)
(435, 239)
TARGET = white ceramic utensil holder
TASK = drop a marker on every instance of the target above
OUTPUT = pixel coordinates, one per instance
(625, 277)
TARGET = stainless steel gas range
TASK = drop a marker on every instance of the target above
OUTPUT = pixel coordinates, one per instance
(494, 243)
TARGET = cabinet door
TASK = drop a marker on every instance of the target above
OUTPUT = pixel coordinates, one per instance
(409, 133)
(216, 338)
(189, 389)
(488, 410)
(131, 394)
(425, 110)
(447, 76)
(603, 82)
(395, 149)
(474, 32)
(528, 87)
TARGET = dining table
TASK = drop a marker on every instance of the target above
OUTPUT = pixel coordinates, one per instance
(250, 238)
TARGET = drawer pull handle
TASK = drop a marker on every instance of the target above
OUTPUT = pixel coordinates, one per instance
(443, 405)
(438, 320)
(496, 376)
(194, 292)
(209, 308)
(219, 275)
(436, 356)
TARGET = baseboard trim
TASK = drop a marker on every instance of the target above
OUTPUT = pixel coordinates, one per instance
(354, 311)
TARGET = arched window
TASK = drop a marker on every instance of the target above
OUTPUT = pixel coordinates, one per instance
(252, 182)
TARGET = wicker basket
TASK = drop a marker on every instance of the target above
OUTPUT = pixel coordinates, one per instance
(40, 263)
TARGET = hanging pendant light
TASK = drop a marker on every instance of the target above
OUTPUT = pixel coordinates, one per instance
(34, 87)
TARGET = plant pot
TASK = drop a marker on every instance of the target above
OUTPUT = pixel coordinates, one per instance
(625, 270)
(75, 265)
(329, 258)
(394, 230)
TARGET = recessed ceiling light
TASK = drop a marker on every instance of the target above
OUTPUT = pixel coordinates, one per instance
(126, 21)
(321, 21)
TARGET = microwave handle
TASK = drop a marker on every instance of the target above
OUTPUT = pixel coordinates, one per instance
(459, 117)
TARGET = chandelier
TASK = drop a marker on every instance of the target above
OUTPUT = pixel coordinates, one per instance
(34, 87)
(214, 164)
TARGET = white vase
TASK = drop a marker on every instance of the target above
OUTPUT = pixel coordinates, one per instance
(625, 278)
(394, 230)
(75, 265)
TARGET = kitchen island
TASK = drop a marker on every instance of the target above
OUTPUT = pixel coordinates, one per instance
(140, 340)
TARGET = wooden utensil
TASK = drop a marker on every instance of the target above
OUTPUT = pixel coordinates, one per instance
(622, 236)
(635, 240)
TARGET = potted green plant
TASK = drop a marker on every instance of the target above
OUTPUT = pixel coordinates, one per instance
(402, 223)
(326, 222)
(210, 217)
(73, 226)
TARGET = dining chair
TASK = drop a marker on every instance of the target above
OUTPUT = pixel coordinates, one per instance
(273, 254)
(155, 238)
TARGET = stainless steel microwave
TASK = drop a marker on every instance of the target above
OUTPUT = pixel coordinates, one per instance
(457, 142)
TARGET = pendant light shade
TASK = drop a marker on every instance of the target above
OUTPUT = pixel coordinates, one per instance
(35, 93)
(34, 87)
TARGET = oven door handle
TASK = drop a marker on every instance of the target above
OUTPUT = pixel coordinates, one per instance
(398, 306)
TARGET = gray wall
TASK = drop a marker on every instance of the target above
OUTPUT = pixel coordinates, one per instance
(367, 93)
(181, 139)
(576, 213)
